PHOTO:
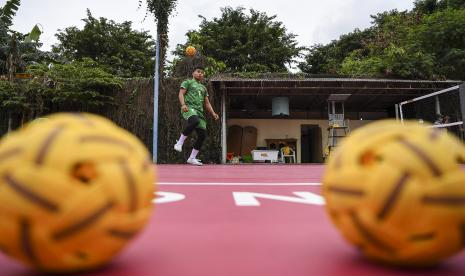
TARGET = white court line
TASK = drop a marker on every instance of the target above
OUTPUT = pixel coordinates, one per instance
(240, 183)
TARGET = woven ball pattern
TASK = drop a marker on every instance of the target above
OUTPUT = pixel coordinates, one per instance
(397, 192)
(190, 51)
(74, 189)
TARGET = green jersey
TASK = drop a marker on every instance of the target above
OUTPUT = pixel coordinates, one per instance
(195, 94)
(194, 99)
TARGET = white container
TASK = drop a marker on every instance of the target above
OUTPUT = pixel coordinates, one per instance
(280, 106)
(263, 155)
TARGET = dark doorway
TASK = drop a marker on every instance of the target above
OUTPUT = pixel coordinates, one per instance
(311, 145)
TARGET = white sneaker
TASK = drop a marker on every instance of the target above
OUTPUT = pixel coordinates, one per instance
(178, 147)
(194, 161)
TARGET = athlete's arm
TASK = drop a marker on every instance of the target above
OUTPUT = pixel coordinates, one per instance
(181, 94)
(209, 108)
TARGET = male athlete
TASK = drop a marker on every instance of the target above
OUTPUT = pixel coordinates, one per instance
(193, 96)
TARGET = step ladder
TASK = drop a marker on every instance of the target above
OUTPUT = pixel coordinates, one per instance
(338, 126)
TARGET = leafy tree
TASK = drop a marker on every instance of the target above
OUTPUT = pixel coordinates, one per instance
(183, 67)
(245, 42)
(318, 60)
(426, 6)
(162, 10)
(455, 4)
(442, 34)
(393, 62)
(327, 58)
(388, 52)
(425, 43)
(431, 6)
(76, 86)
(11, 100)
(115, 46)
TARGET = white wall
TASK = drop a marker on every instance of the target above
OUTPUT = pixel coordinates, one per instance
(283, 128)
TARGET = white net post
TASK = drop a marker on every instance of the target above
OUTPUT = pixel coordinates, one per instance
(462, 100)
(443, 109)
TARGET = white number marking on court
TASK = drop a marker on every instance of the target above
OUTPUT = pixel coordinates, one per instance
(166, 197)
(250, 199)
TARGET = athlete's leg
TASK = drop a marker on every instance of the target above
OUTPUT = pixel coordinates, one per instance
(201, 134)
(192, 123)
(197, 146)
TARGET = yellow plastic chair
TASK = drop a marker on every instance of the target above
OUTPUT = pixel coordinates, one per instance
(287, 152)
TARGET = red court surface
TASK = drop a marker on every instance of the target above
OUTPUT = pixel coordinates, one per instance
(247, 220)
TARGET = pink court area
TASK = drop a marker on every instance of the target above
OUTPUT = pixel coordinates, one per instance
(243, 220)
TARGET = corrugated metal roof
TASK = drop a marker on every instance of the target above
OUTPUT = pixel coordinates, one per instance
(223, 78)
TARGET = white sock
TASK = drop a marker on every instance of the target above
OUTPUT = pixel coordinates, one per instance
(194, 153)
(181, 139)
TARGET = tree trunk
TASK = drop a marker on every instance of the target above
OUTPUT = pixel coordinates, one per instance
(163, 36)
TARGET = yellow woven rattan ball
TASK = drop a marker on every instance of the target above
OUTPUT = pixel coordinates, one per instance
(397, 192)
(74, 189)
(190, 51)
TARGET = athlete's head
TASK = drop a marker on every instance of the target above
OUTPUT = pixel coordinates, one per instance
(198, 73)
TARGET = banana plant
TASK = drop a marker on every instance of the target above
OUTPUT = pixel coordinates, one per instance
(11, 43)
(8, 11)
